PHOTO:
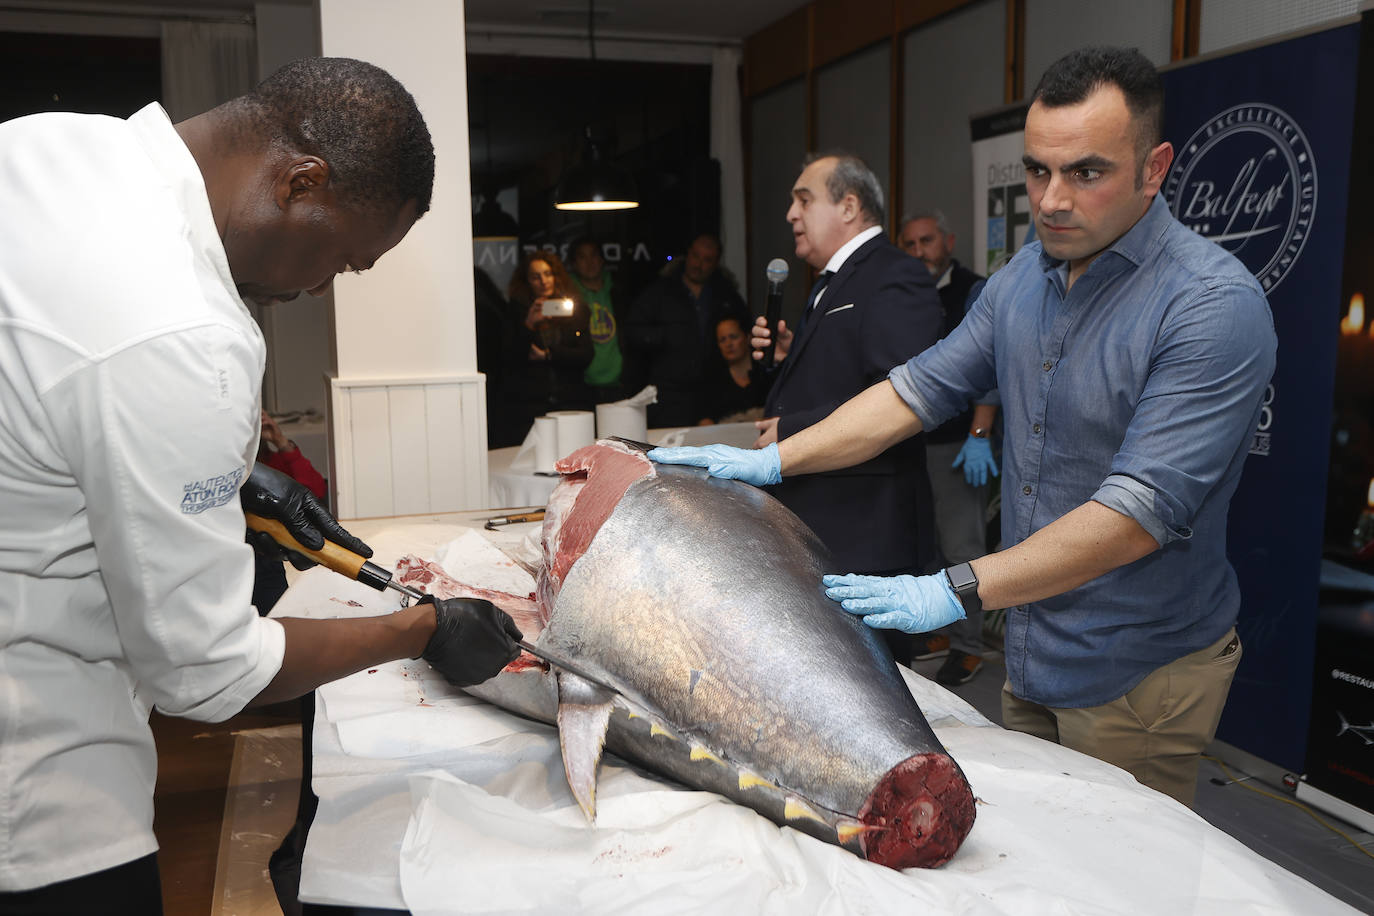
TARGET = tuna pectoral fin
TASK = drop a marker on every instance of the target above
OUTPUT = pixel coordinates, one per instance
(584, 711)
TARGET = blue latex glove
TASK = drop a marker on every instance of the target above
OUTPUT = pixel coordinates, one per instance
(976, 457)
(759, 466)
(912, 604)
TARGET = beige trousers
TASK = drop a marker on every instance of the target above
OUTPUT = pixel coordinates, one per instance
(1157, 731)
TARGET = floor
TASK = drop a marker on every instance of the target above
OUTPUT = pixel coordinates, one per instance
(227, 793)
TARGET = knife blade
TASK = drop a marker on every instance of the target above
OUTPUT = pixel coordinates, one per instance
(559, 660)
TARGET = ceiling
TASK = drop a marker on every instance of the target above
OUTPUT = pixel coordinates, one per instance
(719, 19)
(730, 20)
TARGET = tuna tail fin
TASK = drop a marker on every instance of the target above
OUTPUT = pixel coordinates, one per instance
(584, 712)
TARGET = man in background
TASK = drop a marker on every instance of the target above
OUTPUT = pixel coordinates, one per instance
(597, 286)
(671, 331)
(958, 451)
(871, 308)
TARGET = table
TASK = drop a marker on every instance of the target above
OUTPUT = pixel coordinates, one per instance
(433, 801)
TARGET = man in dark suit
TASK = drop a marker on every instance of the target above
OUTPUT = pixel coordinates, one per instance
(872, 308)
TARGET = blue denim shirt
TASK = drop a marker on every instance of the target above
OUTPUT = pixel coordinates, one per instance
(1139, 389)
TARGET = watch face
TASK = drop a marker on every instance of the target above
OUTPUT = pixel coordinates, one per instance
(961, 577)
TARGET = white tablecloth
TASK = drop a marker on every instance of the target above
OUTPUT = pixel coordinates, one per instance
(435, 802)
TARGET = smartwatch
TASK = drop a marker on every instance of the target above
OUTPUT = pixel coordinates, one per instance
(965, 586)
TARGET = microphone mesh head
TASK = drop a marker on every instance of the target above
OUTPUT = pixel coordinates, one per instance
(777, 270)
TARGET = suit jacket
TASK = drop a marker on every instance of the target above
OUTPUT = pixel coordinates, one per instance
(879, 310)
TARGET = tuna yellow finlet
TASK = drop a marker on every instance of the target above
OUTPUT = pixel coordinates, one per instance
(700, 752)
(655, 730)
(849, 830)
(796, 809)
(748, 780)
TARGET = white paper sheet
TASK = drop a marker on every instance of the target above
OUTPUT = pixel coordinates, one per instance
(432, 801)
(1057, 832)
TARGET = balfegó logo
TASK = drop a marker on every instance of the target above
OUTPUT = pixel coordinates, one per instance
(1247, 181)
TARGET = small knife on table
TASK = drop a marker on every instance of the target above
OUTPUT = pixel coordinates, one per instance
(494, 523)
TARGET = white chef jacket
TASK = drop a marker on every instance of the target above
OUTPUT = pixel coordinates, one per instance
(130, 374)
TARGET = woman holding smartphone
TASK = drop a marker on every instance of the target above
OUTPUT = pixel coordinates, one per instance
(556, 325)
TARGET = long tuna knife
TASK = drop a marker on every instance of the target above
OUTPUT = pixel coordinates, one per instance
(357, 567)
(332, 556)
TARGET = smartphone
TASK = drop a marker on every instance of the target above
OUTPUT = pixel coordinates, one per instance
(557, 308)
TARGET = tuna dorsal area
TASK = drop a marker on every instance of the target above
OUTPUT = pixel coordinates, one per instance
(594, 480)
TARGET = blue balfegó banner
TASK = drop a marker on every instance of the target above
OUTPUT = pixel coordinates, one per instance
(1262, 143)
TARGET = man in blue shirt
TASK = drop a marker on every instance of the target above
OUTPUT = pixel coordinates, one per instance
(1131, 356)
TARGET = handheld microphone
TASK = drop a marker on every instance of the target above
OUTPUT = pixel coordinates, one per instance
(777, 273)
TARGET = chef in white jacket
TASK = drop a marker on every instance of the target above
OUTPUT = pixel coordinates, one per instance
(130, 373)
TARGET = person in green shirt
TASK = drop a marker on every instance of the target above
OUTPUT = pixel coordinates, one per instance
(594, 281)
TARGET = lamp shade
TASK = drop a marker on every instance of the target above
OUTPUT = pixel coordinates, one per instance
(596, 185)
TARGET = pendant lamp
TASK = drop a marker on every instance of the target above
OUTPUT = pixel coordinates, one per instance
(595, 184)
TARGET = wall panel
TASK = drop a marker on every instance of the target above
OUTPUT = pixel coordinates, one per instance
(1232, 22)
(776, 54)
(844, 27)
(852, 109)
(951, 71)
(403, 446)
(777, 139)
(1056, 27)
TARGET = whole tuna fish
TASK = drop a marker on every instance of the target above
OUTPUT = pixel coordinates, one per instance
(700, 601)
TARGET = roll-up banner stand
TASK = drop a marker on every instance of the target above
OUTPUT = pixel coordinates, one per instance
(1261, 166)
(1001, 210)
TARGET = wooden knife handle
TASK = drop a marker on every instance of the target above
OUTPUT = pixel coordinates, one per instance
(331, 555)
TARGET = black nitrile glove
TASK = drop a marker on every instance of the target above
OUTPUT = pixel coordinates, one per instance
(473, 640)
(264, 545)
(275, 495)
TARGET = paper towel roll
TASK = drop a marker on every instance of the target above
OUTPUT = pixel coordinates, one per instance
(576, 428)
(545, 444)
(621, 419)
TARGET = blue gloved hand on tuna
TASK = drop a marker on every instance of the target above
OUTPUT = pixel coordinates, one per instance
(912, 604)
(759, 466)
